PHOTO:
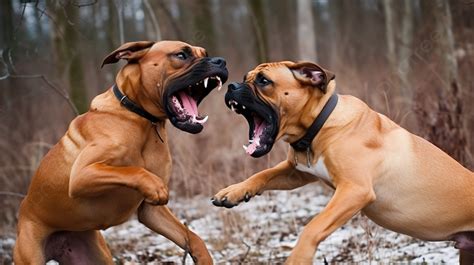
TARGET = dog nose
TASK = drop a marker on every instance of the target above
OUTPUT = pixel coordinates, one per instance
(219, 61)
(233, 86)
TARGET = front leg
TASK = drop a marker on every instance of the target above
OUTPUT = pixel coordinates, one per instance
(161, 220)
(281, 177)
(348, 200)
(98, 178)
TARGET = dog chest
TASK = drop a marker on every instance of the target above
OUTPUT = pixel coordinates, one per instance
(318, 169)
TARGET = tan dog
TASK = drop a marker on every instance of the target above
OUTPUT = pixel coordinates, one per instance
(399, 180)
(114, 160)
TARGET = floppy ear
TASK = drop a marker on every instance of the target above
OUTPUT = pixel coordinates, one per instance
(130, 51)
(312, 74)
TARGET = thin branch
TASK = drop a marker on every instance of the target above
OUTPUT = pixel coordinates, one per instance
(244, 257)
(60, 92)
(21, 19)
(2, 61)
(77, 4)
(10, 60)
(14, 194)
(43, 12)
(154, 21)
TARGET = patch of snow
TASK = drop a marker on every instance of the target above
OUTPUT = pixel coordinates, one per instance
(265, 230)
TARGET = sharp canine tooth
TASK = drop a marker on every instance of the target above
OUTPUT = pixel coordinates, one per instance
(245, 147)
(232, 108)
(205, 82)
(205, 119)
(219, 83)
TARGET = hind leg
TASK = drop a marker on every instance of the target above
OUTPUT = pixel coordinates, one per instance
(78, 248)
(29, 243)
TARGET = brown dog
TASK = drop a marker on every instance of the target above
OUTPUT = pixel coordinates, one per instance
(114, 160)
(399, 180)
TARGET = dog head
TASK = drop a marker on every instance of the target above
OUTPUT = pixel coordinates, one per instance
(173, 75)
(275, 98)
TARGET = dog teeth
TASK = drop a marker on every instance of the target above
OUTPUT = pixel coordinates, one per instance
(200, 121)
(232, 108)
(205, 82)
(245, 147)
(205, 119)
(219, 83)
(243, 106)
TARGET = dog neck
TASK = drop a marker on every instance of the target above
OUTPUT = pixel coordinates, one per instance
(295, 132)
(128, 80)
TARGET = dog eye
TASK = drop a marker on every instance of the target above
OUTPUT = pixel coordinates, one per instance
(182, 56)
(262, 81)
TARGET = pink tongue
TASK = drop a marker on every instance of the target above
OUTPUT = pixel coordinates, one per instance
(189, 104)
(256, 139)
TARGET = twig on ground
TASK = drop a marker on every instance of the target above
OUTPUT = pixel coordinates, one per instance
(244, 257)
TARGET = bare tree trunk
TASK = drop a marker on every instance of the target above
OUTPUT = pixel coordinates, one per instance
(119, 4)
(153, 19)
(405, 51)
(389, 33)
(6, 37)
(306, 36)
(399, 50)
(443, 124)
(67, 45)
(258, 22)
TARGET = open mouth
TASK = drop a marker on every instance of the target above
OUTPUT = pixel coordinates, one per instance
(263, 126)
(182, 102)
(185, 102)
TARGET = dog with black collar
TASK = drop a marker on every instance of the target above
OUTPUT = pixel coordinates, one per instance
(399, 180)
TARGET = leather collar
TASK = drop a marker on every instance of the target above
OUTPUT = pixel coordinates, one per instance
(304, 143)
(133, 107)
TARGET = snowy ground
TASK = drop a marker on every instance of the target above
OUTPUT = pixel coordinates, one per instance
(264, 230)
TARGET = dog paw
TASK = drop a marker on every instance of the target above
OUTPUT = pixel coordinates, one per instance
(233, 195)
(156, 194)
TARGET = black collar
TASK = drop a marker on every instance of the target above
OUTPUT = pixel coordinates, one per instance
(133, 107)
(304, 144)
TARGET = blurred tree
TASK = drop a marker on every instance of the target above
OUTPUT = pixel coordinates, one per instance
(257, 17)
(442, 121)
(6, 25)
(399, 44)
(306, 36)
(67, 42)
